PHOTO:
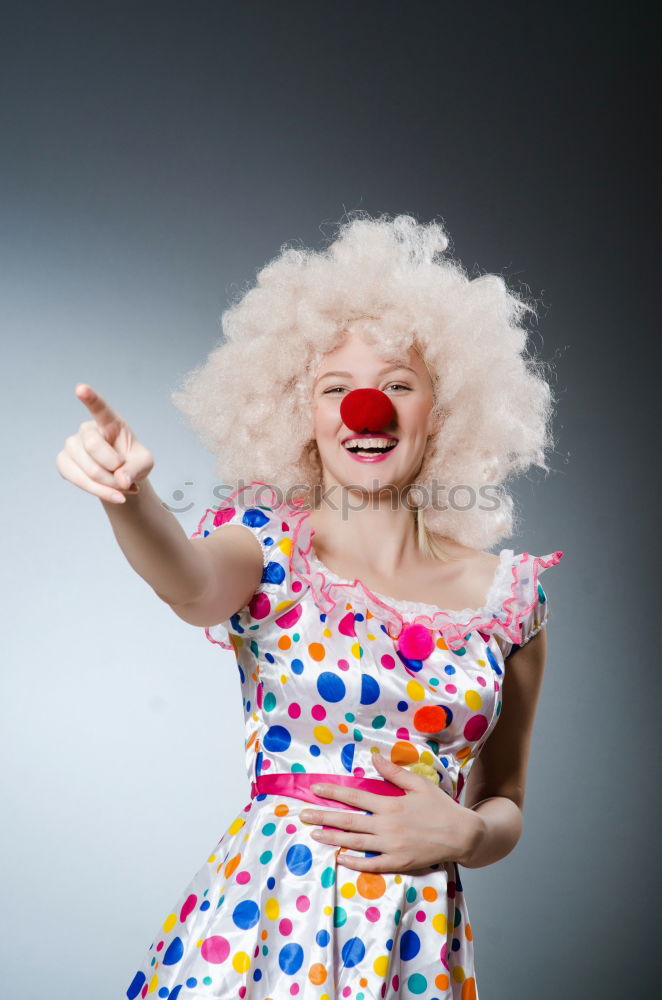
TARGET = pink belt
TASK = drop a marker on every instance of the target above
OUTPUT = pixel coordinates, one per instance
(297, 784)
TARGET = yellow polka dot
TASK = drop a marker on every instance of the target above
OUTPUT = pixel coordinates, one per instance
(327, 633)
(380, 966)
(236, 826)
(285, 546)
(241, 962)
(283, 605)
(169, 923)
(440, 923)
(459, 974)
(323, 734)
(272, 908)
(328, 911)
(473, 700)
(153, 983)
(415, 691)
(356, 650)
(347, 890)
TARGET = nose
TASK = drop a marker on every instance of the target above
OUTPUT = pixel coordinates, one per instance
(365, 410)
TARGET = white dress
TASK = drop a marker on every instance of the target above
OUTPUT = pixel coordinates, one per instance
(272, 914)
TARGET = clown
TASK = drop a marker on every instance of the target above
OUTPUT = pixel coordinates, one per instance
(370, 401)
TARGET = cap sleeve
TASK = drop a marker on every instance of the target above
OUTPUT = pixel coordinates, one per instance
(277, 597)
(524, 609)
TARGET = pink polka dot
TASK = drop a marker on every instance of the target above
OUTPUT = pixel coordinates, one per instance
(243, 877)
(160, 945)
(285, 926)
(372, 914)
(188, 906)
(387, 661)
(296, 586)
(303, 904)
(482, 681)
(359, 772)
(291, 828)
(420, 916)
(343, 664)
(318, 712)
(291, 617)
(402, 733)
(294, 710)
(260, 606)
(475, 728)
(451, 688)
(215, 949)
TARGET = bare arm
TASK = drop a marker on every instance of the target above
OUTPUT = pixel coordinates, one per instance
(204, 580)
(496, 786)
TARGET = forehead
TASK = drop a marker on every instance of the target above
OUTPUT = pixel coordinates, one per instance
(359, 350)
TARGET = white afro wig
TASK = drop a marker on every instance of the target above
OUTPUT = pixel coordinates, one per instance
(251, 401)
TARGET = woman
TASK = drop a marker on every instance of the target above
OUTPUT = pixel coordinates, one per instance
(370, 400)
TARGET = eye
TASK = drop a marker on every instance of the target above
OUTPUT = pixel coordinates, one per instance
(397, 385)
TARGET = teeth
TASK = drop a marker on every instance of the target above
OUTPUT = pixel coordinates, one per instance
(375, 444)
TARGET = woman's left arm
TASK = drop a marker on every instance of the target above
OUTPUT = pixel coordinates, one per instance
(497, 782)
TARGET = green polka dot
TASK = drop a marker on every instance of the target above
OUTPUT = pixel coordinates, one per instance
(328, 878)
(417, 984)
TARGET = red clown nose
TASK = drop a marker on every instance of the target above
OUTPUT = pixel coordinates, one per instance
(365, 410)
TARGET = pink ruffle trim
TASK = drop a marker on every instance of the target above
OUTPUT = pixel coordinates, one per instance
(516, 577)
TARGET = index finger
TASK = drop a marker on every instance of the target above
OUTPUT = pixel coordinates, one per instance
(103, 414)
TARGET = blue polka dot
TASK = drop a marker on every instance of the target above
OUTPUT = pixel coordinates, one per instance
(330, 686)
(449, 669)
(273, 572)
(276, 739)
(246, 914)
(369, 690)
(174, 952)
(347, 756)
(322, 938)
(254, 518)
(353, 951)
(493, 661)
(137, 984)
(410, 945)
(297, 666)
(299, 859)
(290, 957)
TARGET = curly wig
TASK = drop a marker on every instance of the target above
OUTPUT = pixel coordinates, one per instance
(251, 401)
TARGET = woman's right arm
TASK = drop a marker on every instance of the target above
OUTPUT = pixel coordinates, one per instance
(204, 580)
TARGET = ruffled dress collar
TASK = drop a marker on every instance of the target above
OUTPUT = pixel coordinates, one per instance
(511, 596)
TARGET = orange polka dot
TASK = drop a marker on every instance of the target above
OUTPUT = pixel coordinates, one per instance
(469, 989)
(441, 981)
(370, 885)
(441, 644)
(468, 932)
(284, 642)
(429, 893)
(403, 753)
(342, 728)
(430, 719)
(232, 864)
(316, 650)
(281, 809)
(317, 974)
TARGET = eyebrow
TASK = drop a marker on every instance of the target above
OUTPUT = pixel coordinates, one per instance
(389, 368)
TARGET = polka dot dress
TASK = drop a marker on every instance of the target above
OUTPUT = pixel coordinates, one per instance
(330, 672)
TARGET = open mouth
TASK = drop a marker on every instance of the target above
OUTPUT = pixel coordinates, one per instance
(369, 447)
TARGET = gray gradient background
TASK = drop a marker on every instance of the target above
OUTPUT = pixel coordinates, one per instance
(154, 156)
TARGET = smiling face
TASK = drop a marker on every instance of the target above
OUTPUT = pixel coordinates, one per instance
(406, 381)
